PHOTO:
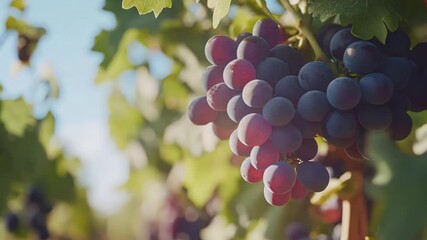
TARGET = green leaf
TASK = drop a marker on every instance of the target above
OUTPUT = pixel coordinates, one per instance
(146, 6)
(370, 18)
(398, 189)
(125, 120)
(19, 4)
(220, 8)
(16, 115)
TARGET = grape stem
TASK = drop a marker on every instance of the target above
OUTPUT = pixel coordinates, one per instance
(303, 27)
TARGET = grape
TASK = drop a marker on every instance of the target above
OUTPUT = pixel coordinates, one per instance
(200, 113)
(219, 95)
(267, 29)
(224, 122)
(340, 124)
(353, 152)
(254, 49)
(272, 70)
(278, 111)
(289, 55)
(211, 76)
(397, 43)
(308, 149)
(237, 147)
(237, 108)
(401, 126)
(308, 129)
(12, 222)
(242, 36)
(340, 41)
(419, 55)
(238, 73)
(315, 75)
(343, 93)
(398, 70)
(249, 173)
(35, 196)
(376, 88)
(374, 117)
(220, 50)
(362, 57)
(289, 87)
(253, 130)
(324, 36)
(416, 92)
(313, 176)
(338, 142)
(298, 191)
(257, 93)
(264, 155)
(279, 177)
(313, 106)
(276, 199)
(287, 138)
(221, 133)
(296, 231)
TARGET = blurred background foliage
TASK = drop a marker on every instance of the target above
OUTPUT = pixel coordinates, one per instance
(184, 182)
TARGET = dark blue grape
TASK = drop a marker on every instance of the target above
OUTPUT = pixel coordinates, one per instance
(416, 92)
(296, 231)
(308, 129)
(419, 55)
(401, 126)
(374, 117)
(313, 176)
(343, 93)
(340, 124)
(376, 88)
(287, 138)
(257, 93)
(362, 57)
(12, 222)
(399, 70)
(313, 106)
(308, 149)
(324, 36)
(272, 70)
(289, 55)
(315, 75)
(278, 111)
(340, 42)
(397, 43)
(290, 88)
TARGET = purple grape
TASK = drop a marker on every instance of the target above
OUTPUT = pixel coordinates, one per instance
(397, 43)
(307, 150)
(296, 231)
(249, 173)
(289, 55)
(272, 70)
(419, 55)
(221, 133)
(200, 113)
(362, 57)
(242, 36)
(340, 124)
(237, 147)
(340, 41)
(264, 155)
(276, 199)
(298, 191)
(257, 93)
(278, 111)
(313, 106)
(374, 117)
(289, 87)
(220, 50)
(308, 129)
(401, 126)
(254, 49)
(315, 75)
(376, 88)
(223, 121)
(286, 139)
(267, 29)
(324, 36)
(219, 95)
(343, 93)
(399, 70)
(238, 73)
(313, 176)
(279, 177)
(211, 76)
(253, 130)
(237, 108)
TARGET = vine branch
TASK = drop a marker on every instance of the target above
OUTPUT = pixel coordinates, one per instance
(303, 28)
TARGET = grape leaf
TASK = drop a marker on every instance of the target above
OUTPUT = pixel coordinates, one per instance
(370, 18)
(16, 115)
(146, 6)
(396, 186)
(220, 8)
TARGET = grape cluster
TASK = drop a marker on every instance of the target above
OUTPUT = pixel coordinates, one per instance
(253, 99)
(34, 215)
(379, 84)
